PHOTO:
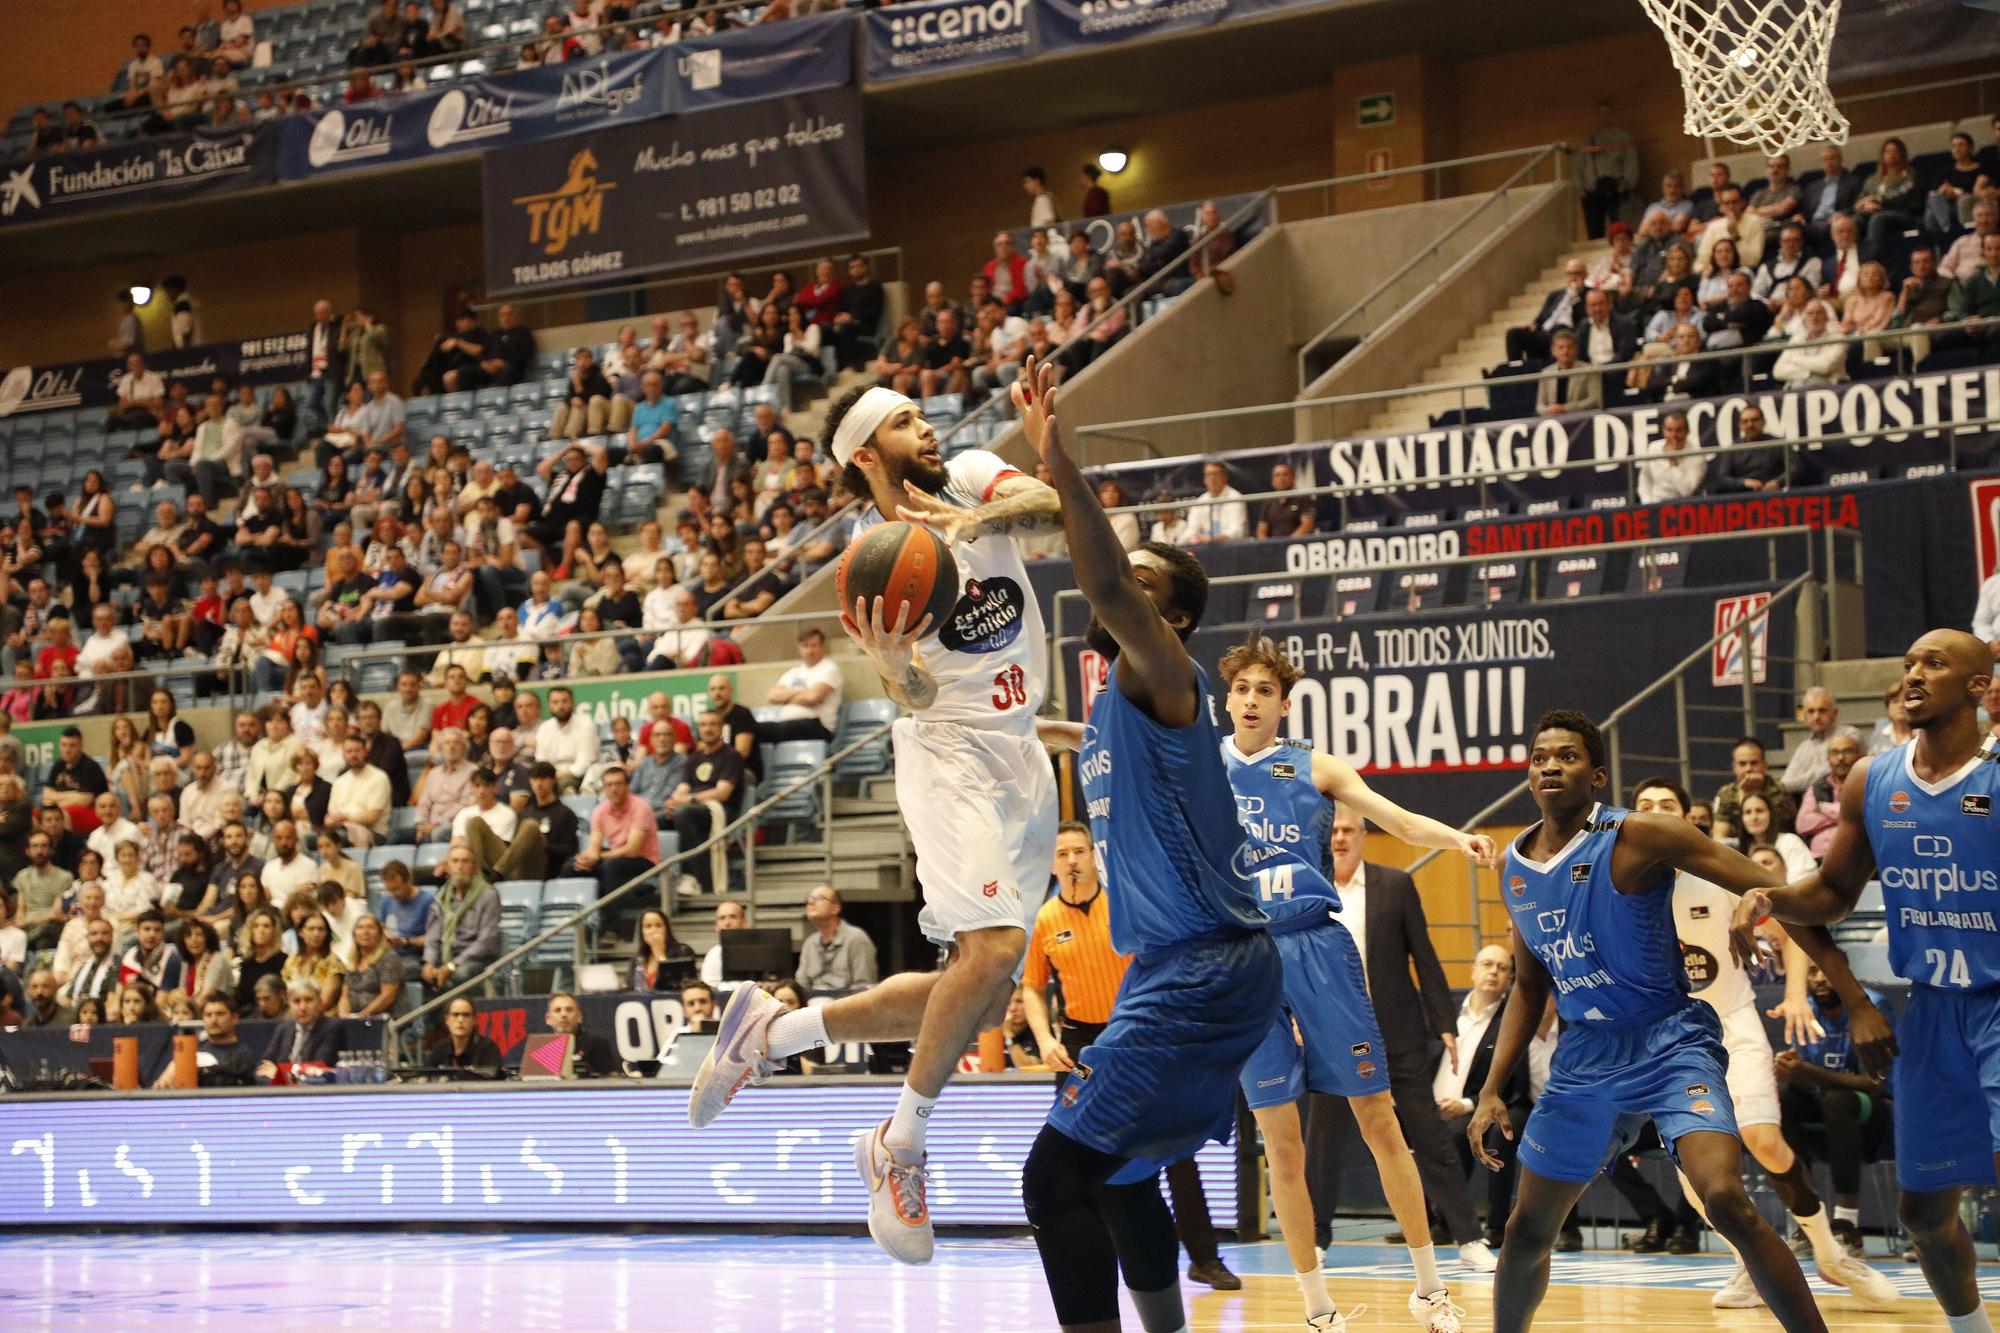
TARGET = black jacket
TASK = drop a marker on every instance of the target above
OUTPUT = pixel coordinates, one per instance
(386, 753)
(1554, 299)
(322, 1042)
(1624, 337)
(1698, 379)
(1517, 1092)
(1846, 189)
(1415, 1013)
(480, 1053)
(560, 837)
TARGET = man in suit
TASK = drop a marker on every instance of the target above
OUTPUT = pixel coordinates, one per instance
(1605, 337)
(307, 1037)
(1561, 387)
(1419, 1026)
(1478, 1030)
(593, 1053)
(1561, 309)
(326, 368)
(1834, 192)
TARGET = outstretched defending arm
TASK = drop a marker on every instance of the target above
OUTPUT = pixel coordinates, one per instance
(1337, 780)
(1829, 894)
(1158, 674)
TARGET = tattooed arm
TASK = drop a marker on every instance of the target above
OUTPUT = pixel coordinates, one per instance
(1021, 507)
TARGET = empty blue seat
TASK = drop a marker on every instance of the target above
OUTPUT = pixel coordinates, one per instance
(856, 720)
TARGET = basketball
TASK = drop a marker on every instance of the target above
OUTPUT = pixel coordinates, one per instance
(900, 563)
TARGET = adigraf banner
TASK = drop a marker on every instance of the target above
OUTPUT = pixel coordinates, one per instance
(277, 359)
(705, 188)
(1436, 708)
(142, 171)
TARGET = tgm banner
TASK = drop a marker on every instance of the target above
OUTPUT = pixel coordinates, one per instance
(704, 188)
(277, 359)
(144, 171)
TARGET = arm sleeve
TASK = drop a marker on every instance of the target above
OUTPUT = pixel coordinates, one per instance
(974, 473)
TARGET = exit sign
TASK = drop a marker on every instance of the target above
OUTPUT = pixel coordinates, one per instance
(1376, 109)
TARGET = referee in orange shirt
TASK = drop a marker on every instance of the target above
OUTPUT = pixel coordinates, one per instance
(1072, 945)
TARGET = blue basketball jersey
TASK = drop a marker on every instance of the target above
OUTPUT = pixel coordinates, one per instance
(1937, 854)
(1614, 957)
(1176, 861)
(1278, 803)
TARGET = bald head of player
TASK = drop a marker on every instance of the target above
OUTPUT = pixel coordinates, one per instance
(1945, 674)
(1173, 581)
(901, 448)
(1565, 763)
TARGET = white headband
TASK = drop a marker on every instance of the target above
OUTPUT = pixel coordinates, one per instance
(859, 425)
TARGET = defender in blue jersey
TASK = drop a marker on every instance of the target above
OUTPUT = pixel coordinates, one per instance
(1204, 982)
(1590, 890)
(1284, 796)
(1920, 819)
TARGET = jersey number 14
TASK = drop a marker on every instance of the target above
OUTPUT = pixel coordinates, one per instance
(1275, 882)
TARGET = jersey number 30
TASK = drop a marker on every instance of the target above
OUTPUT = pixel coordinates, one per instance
(1275, 882)
(1959, 974)
(1010, 689)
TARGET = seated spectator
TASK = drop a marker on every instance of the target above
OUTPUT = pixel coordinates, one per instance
(1739, 319)
(1562, 386)
(1798, 367)
(1819, 805)
(808, 695)
(1790, 313)
(624, 835)
(1097, 325)
(1673, 202)
(576, 499)
(307, 1037)
(1219, 513)
(1891, 201)
(1965, 254)
(461, 1045)
(1779, 198)
(706, 797)
(464, 935)
(1757, 828)
(1561, 309)
(901, 359)
(662, 962)
(129, 890)
(288, 869)
(698, 1005)
(1833, 193)
(1977, 297)
(1789, 261)
(1721, 264)
(943, 359)
(1759, 463)
(1750, 773)
(504, 845)
(762, 585)
(1833, 1110)
(94, 968)
(837, 955)
(1671, 470)
(1869, 307)
(358, 803)
(1687, 378)
(1457, 1082)
(567, 739)
(40, 887)
(444, 789)
(133, 1004)
(112, 828)
(591, 1053)
(1809, 763)
(151, 959)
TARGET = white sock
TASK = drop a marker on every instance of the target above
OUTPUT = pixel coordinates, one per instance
(1973, 1321)
(1851, 1216)
(1426, 1260)
(1312, 1286)
(795, 1033)
(912, 1119)
(1819, 1231)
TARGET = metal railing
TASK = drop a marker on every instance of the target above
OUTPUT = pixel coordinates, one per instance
(237, 690)
(1743, 631)
(1434, 251)
(655, 875)
(712, 281)
(1893, 340)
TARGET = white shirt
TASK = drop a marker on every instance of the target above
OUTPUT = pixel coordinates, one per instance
(97, 650)
(280, 879)
(571, 748)
(1353, 911)
(140, 388)
(342, 926)
(265, 605)
(239, 31)
(803, 677)
(104, 840)
(711, 965)
(126, 898)
(13, 947)
(1701, 919)
(501, 819)
(1847, 263)
(309, 723)
(1449, 1083)
(1986, 619)
(1219, 517)
(364, 788)
(1670, 476)
(1599, 350)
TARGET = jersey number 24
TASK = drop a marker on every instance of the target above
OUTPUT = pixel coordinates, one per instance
(1948, 970)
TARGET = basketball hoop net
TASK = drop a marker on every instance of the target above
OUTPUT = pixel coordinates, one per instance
(1754, 71)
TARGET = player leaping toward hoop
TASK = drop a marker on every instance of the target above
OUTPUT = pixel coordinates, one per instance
(1590, 888)
(1285, 794)
(1920, 819)
(973, 783)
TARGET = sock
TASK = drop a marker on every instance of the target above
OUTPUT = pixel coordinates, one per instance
(1312, 1286)
(1819, 1230)
(795, 1033)
(912, 1119)
(1851, 1216)
(1426, 1260)
(1973, 1321)
(1159, 1311)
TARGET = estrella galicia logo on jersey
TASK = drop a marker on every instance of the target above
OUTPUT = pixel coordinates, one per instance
(1516, 885)
(1697, 1090)
(1579, 873)
(1360, 1048)
(1283, 771)
(1899, 801)
(986, 618)
(1700, 966)
(1976, 805)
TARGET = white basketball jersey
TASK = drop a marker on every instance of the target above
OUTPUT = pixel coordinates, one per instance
(1701, 919)
(989, 655)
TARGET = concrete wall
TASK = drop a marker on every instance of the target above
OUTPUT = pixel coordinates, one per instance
(1490, 274)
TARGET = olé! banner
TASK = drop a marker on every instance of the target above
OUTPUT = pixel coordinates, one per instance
(705, 188)
(278, 359)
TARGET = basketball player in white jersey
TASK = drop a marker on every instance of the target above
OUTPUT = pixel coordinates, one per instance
(973, 782)
(1701, 919)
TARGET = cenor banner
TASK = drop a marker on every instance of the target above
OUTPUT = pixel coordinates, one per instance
(705, 188)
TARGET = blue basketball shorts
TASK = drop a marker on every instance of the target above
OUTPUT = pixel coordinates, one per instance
(1326, 994)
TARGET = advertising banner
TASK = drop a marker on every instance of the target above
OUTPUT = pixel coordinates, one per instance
(142, 171)
(559, 1152)
(28, 1053)
(475, 115)
(706, 188)
(945, 36)
(800, 55)
(1904, 426)
(277, 359)
(1070, 24)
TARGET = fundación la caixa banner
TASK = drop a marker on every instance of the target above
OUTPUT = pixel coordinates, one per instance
(705, 188)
